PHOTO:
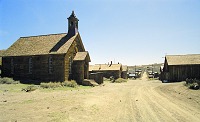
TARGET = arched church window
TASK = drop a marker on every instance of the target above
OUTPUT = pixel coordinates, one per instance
(75, 51)
(70, 65)
(50, 65)
(12, 66)
(30, 65)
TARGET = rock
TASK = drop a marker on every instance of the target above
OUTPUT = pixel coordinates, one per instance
(196, 87)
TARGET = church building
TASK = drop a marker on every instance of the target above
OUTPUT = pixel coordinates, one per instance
(44, 58)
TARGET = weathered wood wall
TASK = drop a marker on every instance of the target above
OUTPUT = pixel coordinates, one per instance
(74, 48)
(179, 73)
(108, 73)
(78, 71)
(97, 77)
(40, 68)
(124, 75)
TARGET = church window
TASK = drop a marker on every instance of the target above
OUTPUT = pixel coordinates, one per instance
(50, 65)
(12, 66)
(30, 65)
(70, 65)
(75, 51)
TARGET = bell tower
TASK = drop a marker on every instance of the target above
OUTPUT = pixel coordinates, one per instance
(72, 24)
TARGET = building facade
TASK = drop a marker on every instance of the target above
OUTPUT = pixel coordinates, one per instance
(181, 67)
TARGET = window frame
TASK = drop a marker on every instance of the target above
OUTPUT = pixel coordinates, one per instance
(12, 66)
(30, 65)
(50, 65)
(70, 65)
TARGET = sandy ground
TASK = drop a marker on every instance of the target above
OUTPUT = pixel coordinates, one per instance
(135, 101)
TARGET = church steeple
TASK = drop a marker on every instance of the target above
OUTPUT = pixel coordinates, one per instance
(72, 24)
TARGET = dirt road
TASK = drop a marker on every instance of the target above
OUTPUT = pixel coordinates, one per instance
(134, 101)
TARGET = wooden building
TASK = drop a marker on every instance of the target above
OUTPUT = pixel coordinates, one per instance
(124, 71)
(180, 67)
(53, 57)
(108, 70)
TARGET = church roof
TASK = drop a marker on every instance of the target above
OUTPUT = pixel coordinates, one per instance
(40, 45)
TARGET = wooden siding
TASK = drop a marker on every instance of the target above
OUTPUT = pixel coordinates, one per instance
(181, 72)
(78, 71)
(74, 48)
(108, 73)
(124, 74)
(40, 67)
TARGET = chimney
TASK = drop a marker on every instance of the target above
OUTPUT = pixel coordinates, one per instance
(110, 64)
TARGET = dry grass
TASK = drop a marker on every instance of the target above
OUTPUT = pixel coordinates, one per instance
(6, 80)
(50, 85)
(120, 80)
(71, 83)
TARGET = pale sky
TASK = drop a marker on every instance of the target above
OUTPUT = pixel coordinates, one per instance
(131, 32)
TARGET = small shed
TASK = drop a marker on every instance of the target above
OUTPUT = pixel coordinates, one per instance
(124, 71)
(180, 67)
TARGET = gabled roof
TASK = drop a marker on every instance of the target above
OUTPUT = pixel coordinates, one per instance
(105, 67)
(183, 59)
(40, 45)
(81, 56)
